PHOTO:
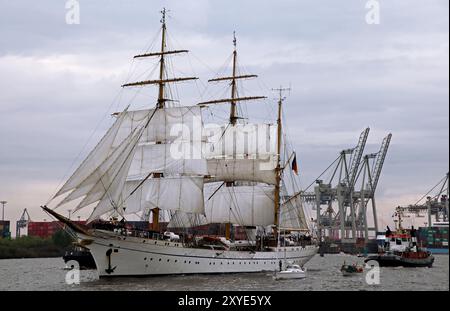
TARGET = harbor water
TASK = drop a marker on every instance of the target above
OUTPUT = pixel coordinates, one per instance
(322, 274)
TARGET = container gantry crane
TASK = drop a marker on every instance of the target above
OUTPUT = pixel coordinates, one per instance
(432, 204)
(370, 175)
(22, 222)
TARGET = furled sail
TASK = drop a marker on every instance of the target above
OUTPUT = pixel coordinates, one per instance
(246, 205)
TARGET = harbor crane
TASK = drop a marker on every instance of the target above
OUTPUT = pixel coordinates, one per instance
(432, 204)
(370, 177)
(338, 188)
(22, 222)
(341, 206)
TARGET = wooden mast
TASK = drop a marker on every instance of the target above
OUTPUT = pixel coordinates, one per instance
(278, 168)
(161, 82)
(234, 97)
(161, 61)
(233, 105)
(233, 117)
(160, 104)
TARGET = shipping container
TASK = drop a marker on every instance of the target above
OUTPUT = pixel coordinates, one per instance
(4, 229)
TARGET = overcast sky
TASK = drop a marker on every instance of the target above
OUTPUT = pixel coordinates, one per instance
(59, 82)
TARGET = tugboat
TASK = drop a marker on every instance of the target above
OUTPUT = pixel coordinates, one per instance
(80, 254)
(401, 250)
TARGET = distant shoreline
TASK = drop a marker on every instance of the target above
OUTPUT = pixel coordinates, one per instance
(35, 247)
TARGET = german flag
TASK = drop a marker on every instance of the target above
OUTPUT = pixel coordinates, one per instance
(294, 164)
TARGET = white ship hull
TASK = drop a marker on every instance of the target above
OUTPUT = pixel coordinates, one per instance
(117, 255)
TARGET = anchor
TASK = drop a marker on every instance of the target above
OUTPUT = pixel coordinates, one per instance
(109, 270)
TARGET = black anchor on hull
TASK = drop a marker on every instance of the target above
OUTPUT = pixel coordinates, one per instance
(108, 254)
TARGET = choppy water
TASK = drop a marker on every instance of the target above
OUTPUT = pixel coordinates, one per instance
(322, 274)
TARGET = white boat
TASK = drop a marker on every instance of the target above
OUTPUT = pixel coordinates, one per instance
(137, 168)
(291, 272)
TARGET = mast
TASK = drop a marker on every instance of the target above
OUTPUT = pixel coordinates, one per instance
(233, 100)
(278, 168)
(161, 82)
(233, 84)
(161, 61)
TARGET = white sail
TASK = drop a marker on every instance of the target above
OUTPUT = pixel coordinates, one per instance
(172, 193)
(159, 158)
(96, 157)
(245, 152)
(112, 197)
(102, 173)
(164, 123)
(243, 205)
(172, 145)
(292, 215)
(258, 170)
(252, 140)
(110, 184)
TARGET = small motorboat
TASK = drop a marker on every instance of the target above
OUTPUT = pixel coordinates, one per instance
(349, 270)
(291, 272)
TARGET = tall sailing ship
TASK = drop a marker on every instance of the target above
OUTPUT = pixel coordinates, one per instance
(165, 162)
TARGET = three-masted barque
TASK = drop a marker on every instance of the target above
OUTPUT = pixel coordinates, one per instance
(165, 161)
